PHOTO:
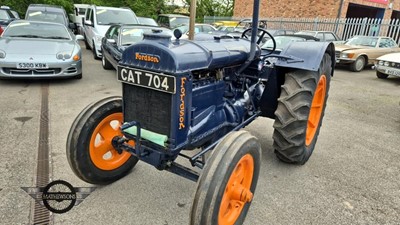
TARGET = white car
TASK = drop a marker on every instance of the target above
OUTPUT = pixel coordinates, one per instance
(97, 21)
(388, 64)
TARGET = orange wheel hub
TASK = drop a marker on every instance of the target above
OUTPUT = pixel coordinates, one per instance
(102, 153)
(237, 191)
(317, 106)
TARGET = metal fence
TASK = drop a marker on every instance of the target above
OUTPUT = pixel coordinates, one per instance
(344, 28)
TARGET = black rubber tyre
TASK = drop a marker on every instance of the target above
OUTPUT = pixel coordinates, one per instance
(216, 174)
(94, 52)
(381, 75)
(79, 76)
(293, 112)
(358, 65)
(105, 63)
(79, 138)
(87, 46)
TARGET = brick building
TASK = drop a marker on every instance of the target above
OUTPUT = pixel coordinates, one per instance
(383, 9)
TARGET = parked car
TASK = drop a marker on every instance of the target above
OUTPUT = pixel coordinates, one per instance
(48, 13)
(361, 51)
(198, 28)
(388, 64)
(147, 21)
(15, 13)
(6, 17)
(33, 49)
(282, 41)
(226, 23)
(78, 15)
(172, 21)
(97, 21)
(118, 37)
(323, 36)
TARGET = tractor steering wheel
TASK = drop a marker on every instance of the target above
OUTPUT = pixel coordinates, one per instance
(260, 37)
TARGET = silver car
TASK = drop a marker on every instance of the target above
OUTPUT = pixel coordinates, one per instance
(30, 49)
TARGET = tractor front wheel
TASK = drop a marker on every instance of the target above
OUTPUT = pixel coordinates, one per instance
(89, 150)
(300, 111)
(226, 186)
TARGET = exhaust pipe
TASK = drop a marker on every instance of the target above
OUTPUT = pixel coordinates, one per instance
(253, 39)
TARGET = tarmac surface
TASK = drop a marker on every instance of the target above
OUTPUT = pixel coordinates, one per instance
(353, 176)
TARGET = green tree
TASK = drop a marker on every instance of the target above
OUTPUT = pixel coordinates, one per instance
(212, 8)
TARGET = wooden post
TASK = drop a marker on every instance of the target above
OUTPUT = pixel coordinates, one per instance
(192, 19)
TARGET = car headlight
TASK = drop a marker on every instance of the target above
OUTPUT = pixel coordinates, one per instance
(386, 64)
(63, 55)
(2, 54)
(347, 55)
(380, 63)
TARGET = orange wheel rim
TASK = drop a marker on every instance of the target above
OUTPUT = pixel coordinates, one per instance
(237, 191)
(317, 106)
(102, 153)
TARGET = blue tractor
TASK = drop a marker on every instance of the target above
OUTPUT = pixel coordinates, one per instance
(197, 95)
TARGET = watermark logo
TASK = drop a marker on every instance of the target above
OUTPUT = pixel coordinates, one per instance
(59, 196)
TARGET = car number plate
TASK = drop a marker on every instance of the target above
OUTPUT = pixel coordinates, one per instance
(32, 66)
(393, 72)
(156, 81)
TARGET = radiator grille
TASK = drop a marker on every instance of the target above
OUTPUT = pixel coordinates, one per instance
(151, 108)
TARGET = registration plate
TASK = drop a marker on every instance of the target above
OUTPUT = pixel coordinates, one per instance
(32, 66)
(393, 72)
(156, 81)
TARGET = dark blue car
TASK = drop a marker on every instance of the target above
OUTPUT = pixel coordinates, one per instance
(118, 37)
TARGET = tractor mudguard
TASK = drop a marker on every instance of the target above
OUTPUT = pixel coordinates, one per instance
(306, 56)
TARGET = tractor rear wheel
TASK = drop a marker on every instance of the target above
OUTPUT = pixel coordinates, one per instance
(226, 186)
(300, 112)
(89, 150)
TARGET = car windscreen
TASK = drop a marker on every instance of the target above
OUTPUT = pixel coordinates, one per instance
(37, 30)
(147, 21)
(111, 16)
(4, 15)
(309, 33)
(178, 21)
(281, 42)
(133, 35)
(363, 41)
(46, 16)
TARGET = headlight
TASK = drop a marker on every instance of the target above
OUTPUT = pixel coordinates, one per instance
(63, 55)
(386, 64)
(380, 63)
(2, 54)
(347, 55)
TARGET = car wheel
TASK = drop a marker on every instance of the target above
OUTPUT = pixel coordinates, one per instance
(105, 63)
(87, 44)
(358, 65)
(381, 75)
(94, 51)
